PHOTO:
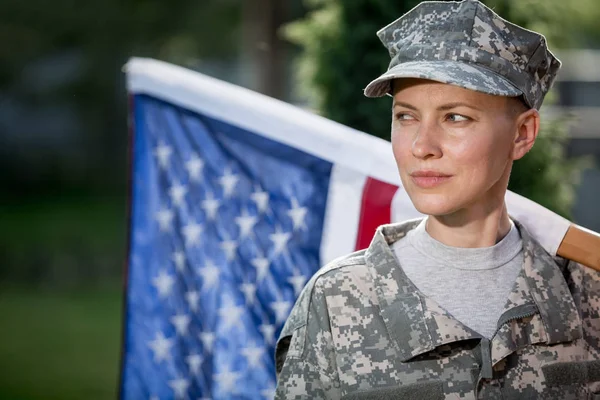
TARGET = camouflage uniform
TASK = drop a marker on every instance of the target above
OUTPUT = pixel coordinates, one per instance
(362, 330)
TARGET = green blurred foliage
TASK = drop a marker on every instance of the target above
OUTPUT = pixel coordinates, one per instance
(65, 196)
(342, 54)
(59, 345)
(96, 39)
(566, 24)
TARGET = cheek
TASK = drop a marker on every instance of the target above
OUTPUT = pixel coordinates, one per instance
(401, 147)
(481, 157)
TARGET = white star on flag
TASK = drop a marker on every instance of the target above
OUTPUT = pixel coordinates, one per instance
(161, 347)
(268, 394)
(253, 355)
(208, 340)
(231, 315)
(210, 206)
(210, 274)
(262, 268)
(178, 258)
(249, 290)
(227, 380)
(297, 214)
(180, 387)
(177, 193)
(163, 153)
(246, 223)
(268, 332)
(230, 249)
(228, 181)
(164, 218)
(194, 167)
(297, 281)
(192, 297)
(261, 199)
(192, 232)
(181, 323)
(280, 240)
(163, 283)
(282, 309)
(194, 361)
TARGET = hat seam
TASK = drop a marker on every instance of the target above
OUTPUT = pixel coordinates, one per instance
(533, 104)
(476, 65)
(532, 54)
(386, 82)
(473, 27)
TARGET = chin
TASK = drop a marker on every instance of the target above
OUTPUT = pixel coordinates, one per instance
(434, 204)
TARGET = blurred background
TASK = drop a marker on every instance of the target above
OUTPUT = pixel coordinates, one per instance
(64, 142)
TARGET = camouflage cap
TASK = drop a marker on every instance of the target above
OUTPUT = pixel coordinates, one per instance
(467, 44)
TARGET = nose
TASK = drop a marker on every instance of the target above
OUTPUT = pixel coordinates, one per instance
(426, 142)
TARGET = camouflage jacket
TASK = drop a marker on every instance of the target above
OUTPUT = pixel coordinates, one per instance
(362, 330)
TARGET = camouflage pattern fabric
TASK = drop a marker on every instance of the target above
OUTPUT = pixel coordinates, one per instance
(468, 45)
(362, 330)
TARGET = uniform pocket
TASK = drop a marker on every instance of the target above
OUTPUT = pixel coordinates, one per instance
(433, 390)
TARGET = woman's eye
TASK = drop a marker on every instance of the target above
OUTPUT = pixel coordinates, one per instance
(404, 117)
(457, 118)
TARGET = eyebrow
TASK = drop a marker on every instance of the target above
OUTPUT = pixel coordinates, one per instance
(444, 107)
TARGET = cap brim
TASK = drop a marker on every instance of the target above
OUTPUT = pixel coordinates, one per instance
(461, 74)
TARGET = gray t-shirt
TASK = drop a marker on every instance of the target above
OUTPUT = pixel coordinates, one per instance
(472, 284)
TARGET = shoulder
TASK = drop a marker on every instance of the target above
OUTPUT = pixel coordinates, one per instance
(314, 290)
(581, 278)
(312, 304)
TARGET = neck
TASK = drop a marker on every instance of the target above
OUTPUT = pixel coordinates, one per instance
(470, 228)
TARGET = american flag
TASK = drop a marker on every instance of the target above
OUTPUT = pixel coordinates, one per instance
(237, 199)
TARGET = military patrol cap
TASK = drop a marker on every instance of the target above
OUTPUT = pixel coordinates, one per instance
(469, 45)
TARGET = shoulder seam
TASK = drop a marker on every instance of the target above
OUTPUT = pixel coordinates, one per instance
(353, 259)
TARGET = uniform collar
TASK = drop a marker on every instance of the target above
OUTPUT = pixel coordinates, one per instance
(417, 324)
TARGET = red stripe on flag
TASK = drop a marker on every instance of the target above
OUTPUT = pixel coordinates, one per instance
(376, 209)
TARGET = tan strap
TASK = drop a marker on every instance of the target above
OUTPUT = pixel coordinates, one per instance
(581, 245)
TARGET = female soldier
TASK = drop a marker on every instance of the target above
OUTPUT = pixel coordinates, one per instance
(464, 303)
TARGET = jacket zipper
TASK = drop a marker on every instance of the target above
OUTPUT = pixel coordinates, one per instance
(486, 360)
(514, 318)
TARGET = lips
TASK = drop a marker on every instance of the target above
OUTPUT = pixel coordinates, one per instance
(429, 179)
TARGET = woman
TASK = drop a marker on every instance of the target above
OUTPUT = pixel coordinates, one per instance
(464, 303)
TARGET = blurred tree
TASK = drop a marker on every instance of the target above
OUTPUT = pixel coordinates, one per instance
(342, 54)
(63, 113)
(69, 55)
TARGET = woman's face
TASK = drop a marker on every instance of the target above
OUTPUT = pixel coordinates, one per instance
(453, 146)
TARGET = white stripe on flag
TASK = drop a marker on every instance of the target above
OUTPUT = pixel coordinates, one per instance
(547, 227)
(265, 116)
(342, 214)
(402, 208)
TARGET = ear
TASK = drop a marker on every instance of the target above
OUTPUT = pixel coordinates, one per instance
(528, 127)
